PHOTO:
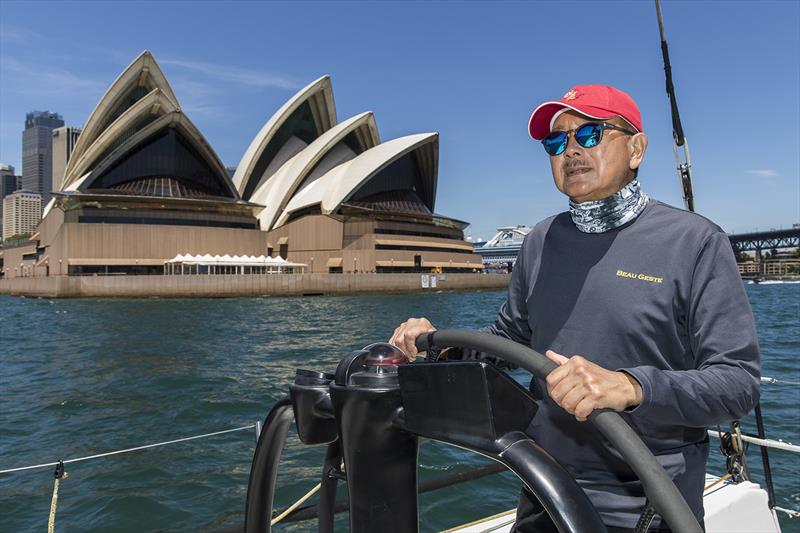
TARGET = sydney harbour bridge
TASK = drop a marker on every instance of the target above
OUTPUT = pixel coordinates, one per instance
(766, 240)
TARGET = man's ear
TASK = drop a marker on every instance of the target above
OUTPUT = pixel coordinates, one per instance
(637, 146)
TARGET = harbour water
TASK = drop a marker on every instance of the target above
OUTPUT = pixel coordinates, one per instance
(87, 376)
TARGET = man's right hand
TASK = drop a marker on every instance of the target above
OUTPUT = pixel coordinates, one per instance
(406, 334)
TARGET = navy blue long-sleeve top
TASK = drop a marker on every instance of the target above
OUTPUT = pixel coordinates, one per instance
(660, 298)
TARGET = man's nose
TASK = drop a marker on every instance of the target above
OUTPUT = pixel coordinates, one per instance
(573, 148)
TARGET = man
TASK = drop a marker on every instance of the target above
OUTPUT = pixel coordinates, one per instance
(639, 303)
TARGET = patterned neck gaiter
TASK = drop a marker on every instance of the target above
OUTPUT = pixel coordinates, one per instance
(599, 216)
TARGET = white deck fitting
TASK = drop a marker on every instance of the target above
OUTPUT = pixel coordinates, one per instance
(730, 508)
(738, 508)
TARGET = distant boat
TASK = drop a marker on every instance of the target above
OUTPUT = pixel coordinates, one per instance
(504, 247)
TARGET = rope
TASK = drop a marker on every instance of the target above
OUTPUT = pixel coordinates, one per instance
(289, 510)
(499, 526)
(51, 522)
(58, 475)
(719, 480)
(127, 450)
(484, 521)
(295, 505)
(774, 381)
(767, 443)
(791, 512)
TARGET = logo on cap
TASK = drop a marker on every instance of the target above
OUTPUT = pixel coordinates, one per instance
(594, 101)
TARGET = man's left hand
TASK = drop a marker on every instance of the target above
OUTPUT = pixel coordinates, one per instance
(580, 386)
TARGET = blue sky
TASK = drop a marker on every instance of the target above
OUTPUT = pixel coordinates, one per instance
(471, 71)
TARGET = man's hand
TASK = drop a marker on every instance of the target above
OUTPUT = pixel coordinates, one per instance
(406, 334)
(580, 386)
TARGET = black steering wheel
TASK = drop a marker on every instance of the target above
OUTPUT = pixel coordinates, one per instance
(316, 416)
(661, 492)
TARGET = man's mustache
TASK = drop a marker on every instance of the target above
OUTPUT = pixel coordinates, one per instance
(574, 163)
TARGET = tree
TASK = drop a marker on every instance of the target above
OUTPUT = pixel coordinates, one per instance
(16, 238)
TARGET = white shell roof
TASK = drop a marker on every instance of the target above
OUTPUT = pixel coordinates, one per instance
(77, 184)
(155, 102)
(326, 172)
(98, 135)
(143, 71)
(280, 188)
(341, 182)
(321, 89)
(176, 119)
(48, 207)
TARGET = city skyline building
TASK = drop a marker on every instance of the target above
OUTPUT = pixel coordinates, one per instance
(64, 139)
(37, 152)
(21, 213)
(9, 182)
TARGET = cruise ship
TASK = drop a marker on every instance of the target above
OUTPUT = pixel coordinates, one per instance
(502, 249)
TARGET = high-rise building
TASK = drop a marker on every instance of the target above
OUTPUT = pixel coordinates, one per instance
(64, 139)
(21, 213)
(9, 182)
(37, 152)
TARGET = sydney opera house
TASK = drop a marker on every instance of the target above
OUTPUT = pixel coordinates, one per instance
(143, 186)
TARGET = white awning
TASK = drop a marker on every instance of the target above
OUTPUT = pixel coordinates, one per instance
(236, 260)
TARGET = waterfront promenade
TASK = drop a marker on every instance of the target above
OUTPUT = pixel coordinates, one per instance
(222, 286)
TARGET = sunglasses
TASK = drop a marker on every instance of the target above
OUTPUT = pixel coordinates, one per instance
(588, 135)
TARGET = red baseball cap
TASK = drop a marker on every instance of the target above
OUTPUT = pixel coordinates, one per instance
(594, 101)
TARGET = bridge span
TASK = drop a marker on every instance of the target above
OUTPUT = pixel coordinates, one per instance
(766, 240)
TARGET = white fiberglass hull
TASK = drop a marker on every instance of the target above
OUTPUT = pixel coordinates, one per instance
(730, 508)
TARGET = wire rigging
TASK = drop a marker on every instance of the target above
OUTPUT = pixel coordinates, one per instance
(678, 138)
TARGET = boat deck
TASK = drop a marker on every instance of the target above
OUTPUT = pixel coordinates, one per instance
(730, 508)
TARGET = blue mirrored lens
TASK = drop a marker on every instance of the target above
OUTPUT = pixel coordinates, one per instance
(555, 142)
(589, 135)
